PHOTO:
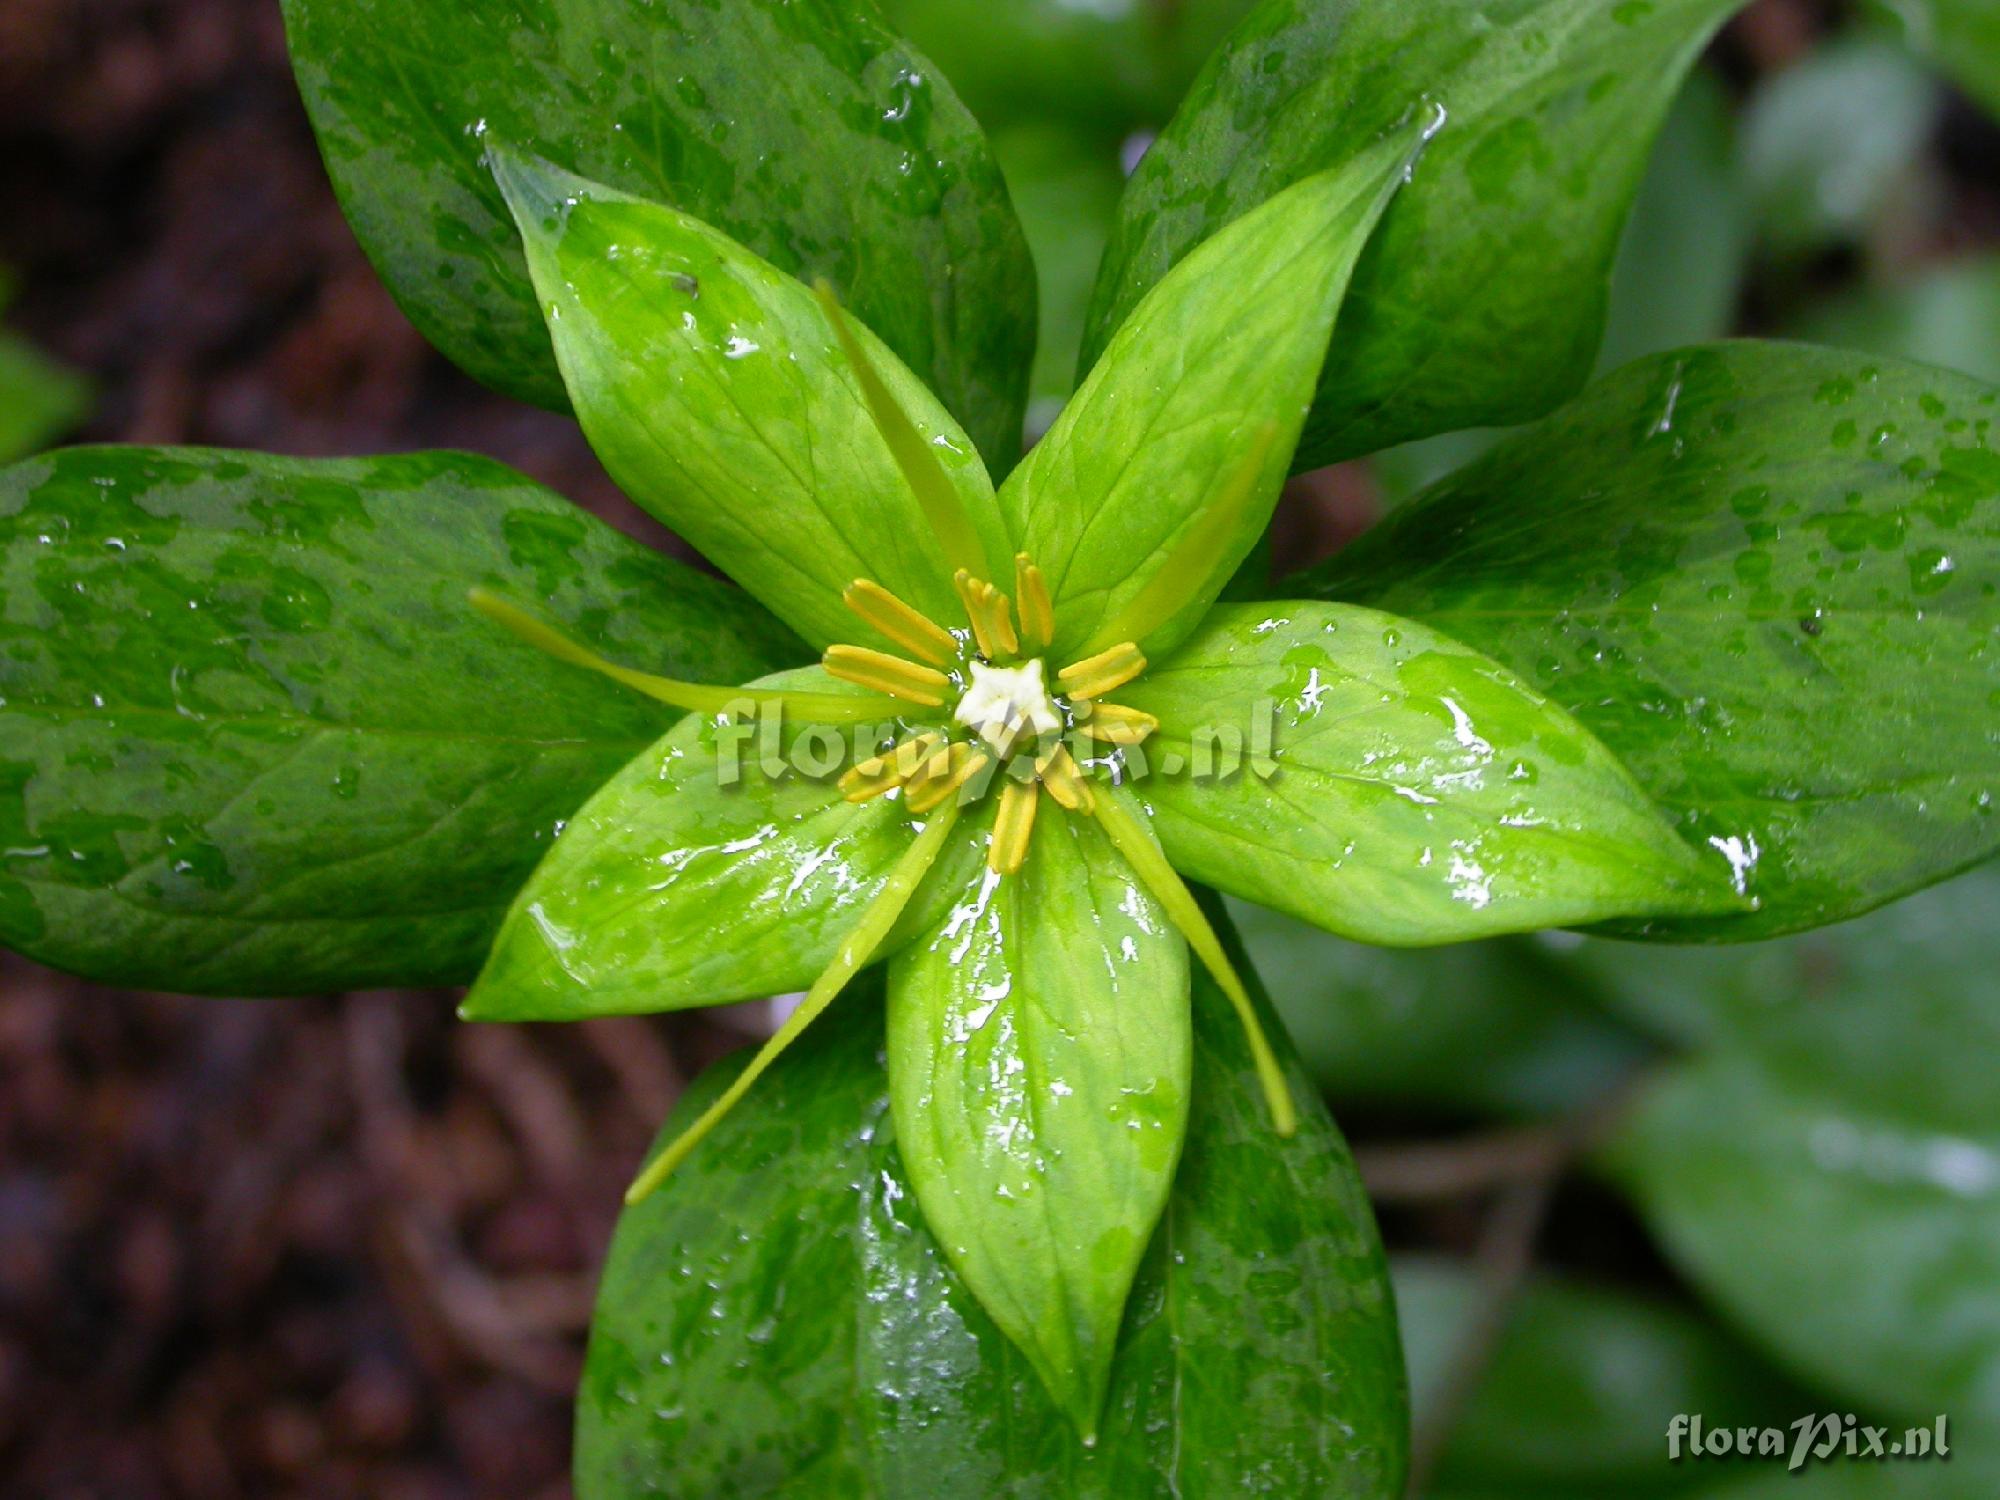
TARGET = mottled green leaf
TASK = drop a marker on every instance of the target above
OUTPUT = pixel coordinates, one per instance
(1498, 1026)
(1948, 315)
(1180, 436)
(777, 1319)
(715, 390)
(1581, 1385)
(721, 863)
(255, 739)
(1766, 576)
(1038, 1067)
(804, 128)
(1413, 791)
(1482, 299)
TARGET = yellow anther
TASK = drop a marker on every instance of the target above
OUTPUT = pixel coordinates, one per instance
(1038, 613)
(1117, 725)
(987, 608)
(1105, 672)
(879, 773)
(1060, 774)
(1012, 825)
(945, 772)
(909, 628)
(882, 673)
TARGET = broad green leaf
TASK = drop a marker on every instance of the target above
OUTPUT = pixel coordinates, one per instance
(1961, 36)
(1160, 474)
(1482, 299)
(255, 739)
(779, 1319)
(715, 390)
(1498, 1027)
(1765, 575)
(1936, 948)
(1948, 316)
(1412, 791)
(721, 863)
(1581, 1385)
(1857, 1240)
(1038, 1068)
(1831, 144)
(804, 128)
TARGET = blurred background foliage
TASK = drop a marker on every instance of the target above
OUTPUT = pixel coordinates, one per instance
(1620, 1182)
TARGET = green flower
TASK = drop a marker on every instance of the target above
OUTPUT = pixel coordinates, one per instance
(1030, 713)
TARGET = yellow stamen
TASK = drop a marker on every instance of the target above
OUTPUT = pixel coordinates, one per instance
(1135, 841)
(1059, 773)
(1117, 725)
(936, 493)
(987, 608)
(883, 673)
(696, 697)
(909, 628)
(944, 773)
(1038, 613)
(855, 950)
(1105, 672)
(1012, 825)
(879, 773)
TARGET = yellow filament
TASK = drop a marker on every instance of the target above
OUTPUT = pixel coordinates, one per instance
(1203, 549)
(944, 773)
(877, 774)
(1117, 725)
(883, 673)
(909, 628)
(1012, 825)
(1038, 613)
(1135, 842)
(1059, 773)
(696, 697)
(1105, 672)
(987, 608)
(855, 950)
(937, 496)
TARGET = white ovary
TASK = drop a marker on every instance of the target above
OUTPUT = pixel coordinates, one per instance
(1004, 703)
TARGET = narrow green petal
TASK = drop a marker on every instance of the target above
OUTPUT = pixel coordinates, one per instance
(1376, 778)
(1039, 1055)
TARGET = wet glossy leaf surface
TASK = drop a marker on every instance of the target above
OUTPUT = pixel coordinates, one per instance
(1212, 372)
(1420, 793)
(1039, 1070)
(714, 389)
(778, 1320)
(1482, 299)
(715, 866)
(1582, 1385)
(256, 741)
(804, 128)
(1764, 575)
(1495, 1027)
